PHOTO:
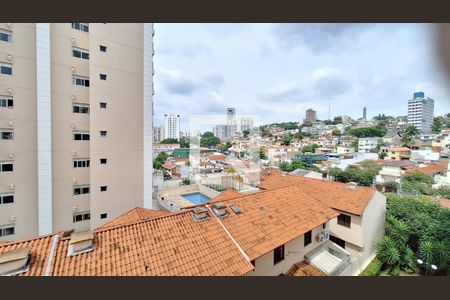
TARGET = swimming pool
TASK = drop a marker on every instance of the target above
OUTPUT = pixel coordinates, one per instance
(196, 198)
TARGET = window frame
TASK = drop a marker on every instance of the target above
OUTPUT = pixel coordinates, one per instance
(2, 163)
(84, 216)
(3, 195)
(7, 100)
(344, 220)
(104, 47)
(103, 163)
(6, 65)
(83, 53)
(278, 254)
(307, 238)
(81, 26)
(80, 106)
(5, 227)
(103, 188)
(81, 163)
(3, 131)
(103, 133)
(7, 33)
(105, 104)
(103, 216)
(103, 76)
(82, 189)
(82, 79)
(83, 135)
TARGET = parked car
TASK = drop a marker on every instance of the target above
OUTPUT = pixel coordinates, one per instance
(167, 177)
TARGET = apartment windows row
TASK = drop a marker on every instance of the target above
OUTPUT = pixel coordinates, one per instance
(80, 53)
(86, 136)
(76, 79)
(6, 134)
(6, 68)
(6, 101)
(6, 166)
(6, 36)
(6, 230)
(81, 26)
(6, 198)
(86, 189)
(81, 163)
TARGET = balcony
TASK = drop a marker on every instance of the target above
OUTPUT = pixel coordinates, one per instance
(329, 258)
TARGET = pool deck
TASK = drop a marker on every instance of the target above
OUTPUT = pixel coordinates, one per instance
(171, 199)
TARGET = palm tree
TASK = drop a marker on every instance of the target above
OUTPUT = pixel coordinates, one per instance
(441, 252)
(409, 133)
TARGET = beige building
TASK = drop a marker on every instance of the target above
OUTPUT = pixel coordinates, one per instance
(78, 125)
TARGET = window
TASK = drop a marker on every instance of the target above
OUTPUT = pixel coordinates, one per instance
(80, 53)
(81, 136)
(5, 69)
(324, 225)
(6, 101)
(307, 238)
(344, 220)
(103, 133)
(81, 163)
(103, 216)
(6, 36)
(278, 254)
(337, 241)
(102, 48)
(83, 216)
(103, 105)
(6, 230)
(103, 161)
(6, 198)
(6, 166)
(80, 190)
(103, 188)
(80, 80)
(80, 108)
(81, 26)
(6, 134)
(102, 76)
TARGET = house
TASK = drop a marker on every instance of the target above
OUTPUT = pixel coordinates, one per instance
(367, 145)
(170, 168)
(231, 236)
(399, 153)
(433, 169)
(362, 211)
(391, 173)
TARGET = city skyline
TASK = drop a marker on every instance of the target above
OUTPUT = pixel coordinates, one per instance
(300, 66)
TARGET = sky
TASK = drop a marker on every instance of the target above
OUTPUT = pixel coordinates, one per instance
(277, 71)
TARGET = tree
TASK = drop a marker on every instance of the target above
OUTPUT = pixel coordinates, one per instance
(169, 141)
(337, 120)
(355, 145)
(184, 143)
(437, 126)
(310, 148)
(209, 140)
(336, 132)
(409, 133)
(382, 155)
(185, 181)
(224, 146)
(287, 139)
(376, 131)
(246, 133)
(160, 160)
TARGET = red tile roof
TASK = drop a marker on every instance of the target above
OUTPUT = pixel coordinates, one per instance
(134, 215)
(334, 194)
(429, 169)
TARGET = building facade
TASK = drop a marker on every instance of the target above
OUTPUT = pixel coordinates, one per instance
(366, 145)
(171, 126)
(80, 113)
(421, 112)
(310, 116)
(158, 133)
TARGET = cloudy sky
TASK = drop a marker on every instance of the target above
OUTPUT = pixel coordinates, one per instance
(277, 71)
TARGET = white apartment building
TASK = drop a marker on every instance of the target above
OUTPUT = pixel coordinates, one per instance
(421, 112)
(224, 132)
(365, 145)
(158, 133)
(171, 126)
(76, 113)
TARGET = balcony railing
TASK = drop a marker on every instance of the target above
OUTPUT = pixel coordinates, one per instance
(329, 258)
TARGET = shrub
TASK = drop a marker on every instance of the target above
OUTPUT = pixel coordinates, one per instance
(373, 269)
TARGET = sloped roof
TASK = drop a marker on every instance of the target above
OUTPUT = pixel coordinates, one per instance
(334, 194)
(134, 215)
(225, 195)
(429, 169)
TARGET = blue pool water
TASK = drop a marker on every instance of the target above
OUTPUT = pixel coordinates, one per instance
(196, 198)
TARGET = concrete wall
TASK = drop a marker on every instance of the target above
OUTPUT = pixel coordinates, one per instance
(294, 252)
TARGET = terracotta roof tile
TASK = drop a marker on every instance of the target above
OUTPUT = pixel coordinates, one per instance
(429, 169)
(334, 194)
(225, 195)
(304, 269)
(399, 149)
(134, 215)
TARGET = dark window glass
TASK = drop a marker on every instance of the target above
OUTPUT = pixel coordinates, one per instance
(9, 231)
(308, 238)
(76, 53)
(103, 133)
(103, 188)
(102, 161)
(7, 70)
(7, 135)
(10, 103)
(344, 220)
(103, 216)
(86, 137)
(77, 136)
(74, 164)
(8, 199)
(76, 109)
(337, 241)
(76, 191)
(6, 37)
(78, 218)
(102, 48)
(102, 104)
(7, 167)
(86, 82)
(278, 254)
(85, 55)
(86, 190)
(103, 76)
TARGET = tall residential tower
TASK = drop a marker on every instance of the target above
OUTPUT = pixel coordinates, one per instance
(421, 112)
(171, 126)
(78, 122)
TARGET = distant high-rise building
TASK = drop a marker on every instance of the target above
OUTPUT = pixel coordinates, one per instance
(311, 115)
(158, 133)
(365, 113)
(72, 157)
(171, 126)
(223, 132)
(231, 113)
(421, 112)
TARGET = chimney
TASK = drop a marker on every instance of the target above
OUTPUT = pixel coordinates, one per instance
(81, 242)
(219, 209)
(199, 213)
(14, 262)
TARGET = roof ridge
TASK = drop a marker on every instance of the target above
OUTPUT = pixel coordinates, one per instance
(32, 239)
